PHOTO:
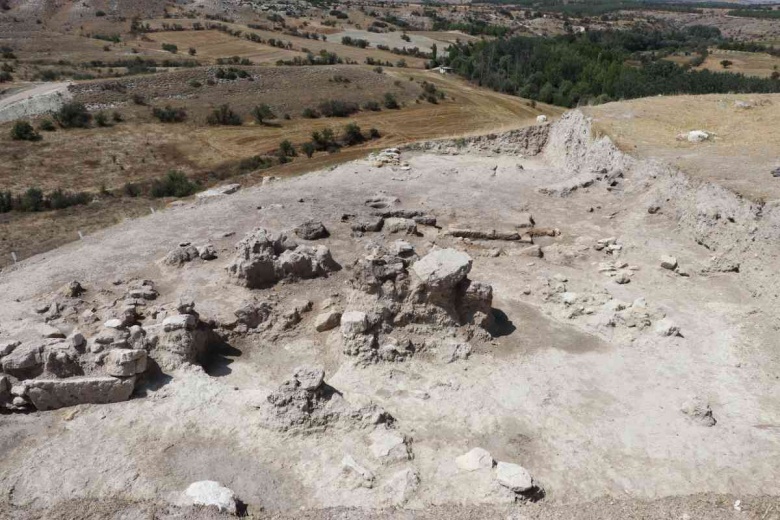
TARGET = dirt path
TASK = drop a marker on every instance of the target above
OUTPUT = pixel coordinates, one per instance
(34, 100)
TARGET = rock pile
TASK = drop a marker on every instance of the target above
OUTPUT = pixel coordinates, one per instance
(263, 258)
(57, 371)
(186, 252)
(399, 302)
(389, 156)
(511, 476)
(305, 403)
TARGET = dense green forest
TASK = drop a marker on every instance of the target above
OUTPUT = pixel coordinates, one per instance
(756, 13)
(599, 7)
(597, 67)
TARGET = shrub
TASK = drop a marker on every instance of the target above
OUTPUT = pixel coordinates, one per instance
(256, 162)
(337, 108)
(47, 125)
(352, 135)
(372, 106)
(32, 200)
(174, 184)
(374, 133)
(73, 115)
(138, 99)
(170, 48)
(310, 113)
(262, 112)
(378, 70)
(324, 140)
(726, 63)
(194, 83)
(287, 149)
(5, 76)
(59, 199)
(308, 148)
(117, 117)
(223, 116)
(192, 51)
(390, 101)
(132, 190)
(49, 75)
(169, 114)
(101, 119)
(100, 13)
(23, 131)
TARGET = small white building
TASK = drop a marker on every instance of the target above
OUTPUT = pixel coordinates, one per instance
(443, 70)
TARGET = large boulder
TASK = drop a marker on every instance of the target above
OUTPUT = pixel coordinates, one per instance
(442, 269)
(50, 394)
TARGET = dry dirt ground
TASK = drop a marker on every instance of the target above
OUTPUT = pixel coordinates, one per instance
(581, 385)
(740, 156)
(141, 149)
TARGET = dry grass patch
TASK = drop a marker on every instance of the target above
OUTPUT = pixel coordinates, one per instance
(741, 155)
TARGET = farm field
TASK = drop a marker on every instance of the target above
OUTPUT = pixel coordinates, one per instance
(748, 63)
(332, 44)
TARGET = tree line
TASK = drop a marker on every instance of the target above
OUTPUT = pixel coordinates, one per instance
(598, 67)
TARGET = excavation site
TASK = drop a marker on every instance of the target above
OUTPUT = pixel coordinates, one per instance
(563, 320)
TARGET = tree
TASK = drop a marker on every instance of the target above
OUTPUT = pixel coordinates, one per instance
(262, 112)
(47, 125)
(23, 131)
(73, 115)
(287, 149)
(224, 116)
(353, 135)
(308, 148)
(169, 114)
(174, 184)
(726, 63)
(390, 101)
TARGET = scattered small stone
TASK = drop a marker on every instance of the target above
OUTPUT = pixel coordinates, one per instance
(207, 252)
(475, 459)
(361, 476)
(698, 410)
(669, 262)
(125, 362)
(312, 230)
(667, 327)
(308, 378)
(514, 477)
(622, 278)
(327, 321)
(353, 323)
(389, 446)
(210, 493)
(47, 331)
